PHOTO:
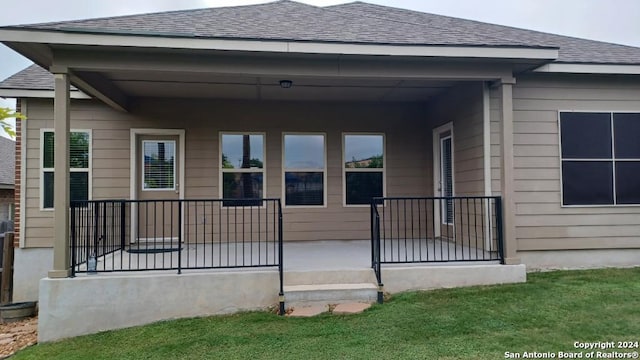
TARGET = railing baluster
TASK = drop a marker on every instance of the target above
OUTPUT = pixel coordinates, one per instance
(73, 240)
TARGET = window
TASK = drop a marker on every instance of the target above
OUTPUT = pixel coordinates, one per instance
(600, 156)
(79, 164)
(304, 169)
(159, 165)
(363, 168)
(242, 168)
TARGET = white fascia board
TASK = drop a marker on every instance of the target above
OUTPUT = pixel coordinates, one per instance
(70, 38)
(590, 69)
(44, 94)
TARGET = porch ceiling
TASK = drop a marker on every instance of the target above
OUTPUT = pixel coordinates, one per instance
(305, 88)
(118, 74)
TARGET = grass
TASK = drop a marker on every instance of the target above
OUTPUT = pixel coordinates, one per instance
(548, 313)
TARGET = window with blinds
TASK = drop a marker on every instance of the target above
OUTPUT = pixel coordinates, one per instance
(79, 164)
(364, 167)
(446, 177)
(159, 162)
(304, 160)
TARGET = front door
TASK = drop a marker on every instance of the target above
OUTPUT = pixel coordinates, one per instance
(157, 188)
(443, 179)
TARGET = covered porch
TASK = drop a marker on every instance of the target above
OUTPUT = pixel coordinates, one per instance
(424, 87)
(445, 120)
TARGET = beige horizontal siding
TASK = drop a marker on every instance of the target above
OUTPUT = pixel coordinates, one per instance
(408, 153)
(541, 222)
(463, 105)
(494, 137)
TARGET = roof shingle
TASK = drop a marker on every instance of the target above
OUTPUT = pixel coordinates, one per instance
(282, 20)
(571, 49)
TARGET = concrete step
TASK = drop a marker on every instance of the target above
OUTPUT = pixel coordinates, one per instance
(342, 276)
(320, 294)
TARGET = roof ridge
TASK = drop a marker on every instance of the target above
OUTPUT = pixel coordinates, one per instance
(155, 13)
(480, 22)
(335, 8)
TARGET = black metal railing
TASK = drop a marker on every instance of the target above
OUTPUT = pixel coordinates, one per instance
(148, 235)
(375, 250)
(435, 229)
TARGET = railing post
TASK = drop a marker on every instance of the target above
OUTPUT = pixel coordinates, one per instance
(378, 265)
(103, 236)
(499, 232)
(123, 221)
(280, 260)
(375, 247)
(96, 223)
(73, 239)
(371, 210)
(180, 236)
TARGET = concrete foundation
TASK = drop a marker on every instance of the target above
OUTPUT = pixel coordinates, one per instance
(89, 304)
(579, 259)
(29, 266)
(407, 278)
(92, 303)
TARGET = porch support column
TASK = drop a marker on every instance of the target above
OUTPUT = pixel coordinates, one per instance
(506, 174)
(61, 175)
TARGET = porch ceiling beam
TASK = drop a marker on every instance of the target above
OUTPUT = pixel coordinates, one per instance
(101, 88)
(328, 66)
(97, 86)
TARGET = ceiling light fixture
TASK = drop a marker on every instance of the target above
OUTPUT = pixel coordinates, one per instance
(285, 84)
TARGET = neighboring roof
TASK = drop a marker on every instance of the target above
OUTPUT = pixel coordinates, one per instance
(34, 78)
(34, 81)
(7, 162)
(356, 22)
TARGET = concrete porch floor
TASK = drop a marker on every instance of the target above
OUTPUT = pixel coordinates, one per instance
(298, 255)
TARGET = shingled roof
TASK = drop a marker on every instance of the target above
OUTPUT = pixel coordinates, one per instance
(354, 23)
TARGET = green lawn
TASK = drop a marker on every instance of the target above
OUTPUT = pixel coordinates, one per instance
(548, 313)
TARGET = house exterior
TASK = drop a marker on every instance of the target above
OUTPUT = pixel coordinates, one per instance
(7, 179)
(518, 140)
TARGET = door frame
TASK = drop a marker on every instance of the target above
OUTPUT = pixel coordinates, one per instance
(134, 163)
(437, 173)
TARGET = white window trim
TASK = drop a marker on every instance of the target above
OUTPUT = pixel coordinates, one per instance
(88, 170)
(345, 169)
(613, 159)
(221, 170)
(324, 172)
(175, 148)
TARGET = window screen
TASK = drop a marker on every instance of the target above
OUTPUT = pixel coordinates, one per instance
(600, 158)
